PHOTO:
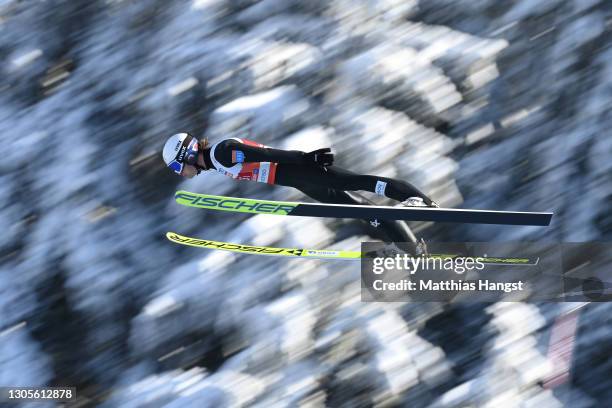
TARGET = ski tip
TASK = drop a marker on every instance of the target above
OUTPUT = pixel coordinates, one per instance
(172, 236)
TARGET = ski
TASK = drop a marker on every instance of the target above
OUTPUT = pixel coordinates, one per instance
(367, 212)
(264, 250)
(316, 253)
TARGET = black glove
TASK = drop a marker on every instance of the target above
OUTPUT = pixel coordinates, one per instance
(321, 157)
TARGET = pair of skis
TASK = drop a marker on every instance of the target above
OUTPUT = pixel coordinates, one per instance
(254, 206)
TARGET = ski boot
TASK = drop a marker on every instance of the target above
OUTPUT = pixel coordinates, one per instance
(413, 202)
(418, 202)
(421, 247)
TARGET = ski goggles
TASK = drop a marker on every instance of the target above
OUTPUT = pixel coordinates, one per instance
(188, 154)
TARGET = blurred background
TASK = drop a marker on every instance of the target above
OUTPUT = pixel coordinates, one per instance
(481, 104)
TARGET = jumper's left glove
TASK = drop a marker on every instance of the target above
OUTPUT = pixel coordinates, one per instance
(321, 157)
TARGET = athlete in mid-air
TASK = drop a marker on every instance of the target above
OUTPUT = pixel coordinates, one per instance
(312, 173)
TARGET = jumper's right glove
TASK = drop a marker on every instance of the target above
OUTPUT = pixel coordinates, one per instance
(321, 157)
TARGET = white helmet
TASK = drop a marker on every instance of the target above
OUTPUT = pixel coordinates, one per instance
(179, 149)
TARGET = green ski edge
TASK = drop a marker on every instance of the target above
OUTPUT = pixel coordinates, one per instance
(314, 253)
